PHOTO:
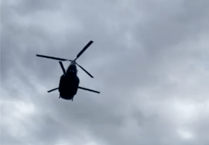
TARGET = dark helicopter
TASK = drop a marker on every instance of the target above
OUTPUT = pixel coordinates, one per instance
(69, 81)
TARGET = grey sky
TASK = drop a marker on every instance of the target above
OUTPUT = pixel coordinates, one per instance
(149, 59)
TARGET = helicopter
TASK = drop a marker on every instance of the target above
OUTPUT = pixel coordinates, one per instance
(69, 81)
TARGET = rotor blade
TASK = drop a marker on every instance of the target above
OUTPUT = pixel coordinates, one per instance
(63, 69)
(85, 70)
(51, 57)
(52, 90)
(87, 45)
(89, 90)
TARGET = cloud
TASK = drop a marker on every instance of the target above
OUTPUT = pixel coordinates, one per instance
(149, 59)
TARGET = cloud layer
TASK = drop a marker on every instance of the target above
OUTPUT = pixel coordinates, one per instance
(149, 59)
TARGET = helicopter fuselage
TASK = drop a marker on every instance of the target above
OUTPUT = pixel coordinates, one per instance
(69, 83)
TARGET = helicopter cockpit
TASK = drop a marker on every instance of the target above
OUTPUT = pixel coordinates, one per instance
(72, 70)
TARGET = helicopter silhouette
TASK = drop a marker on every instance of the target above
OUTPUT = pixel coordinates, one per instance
(69, 81)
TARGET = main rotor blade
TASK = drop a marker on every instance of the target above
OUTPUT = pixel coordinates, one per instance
(52, 90)
(51, 57)
(85, 70)
(87, 45)
(89, 90)
(63, 69)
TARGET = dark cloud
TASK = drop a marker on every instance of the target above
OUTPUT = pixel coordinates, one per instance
(149, 60)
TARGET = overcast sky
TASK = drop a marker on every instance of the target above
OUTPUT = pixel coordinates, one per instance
(150, 60)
